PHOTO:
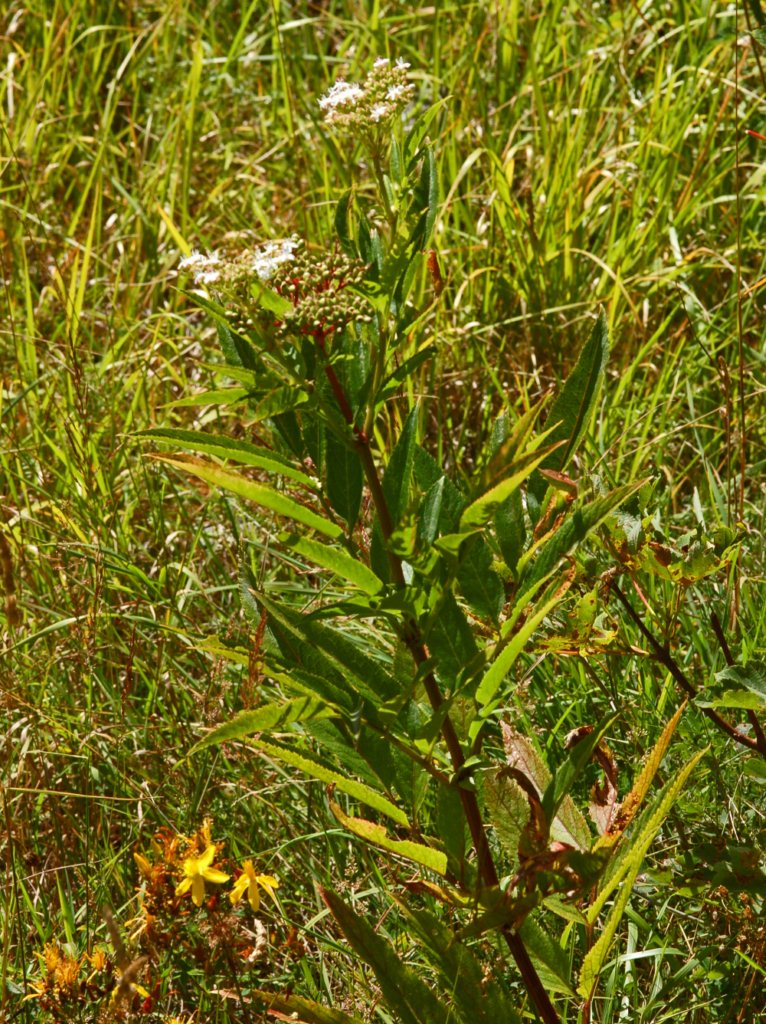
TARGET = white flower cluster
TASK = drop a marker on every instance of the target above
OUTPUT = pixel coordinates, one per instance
(261, 262)
(383, 95)
(205, 268)
(271, 255)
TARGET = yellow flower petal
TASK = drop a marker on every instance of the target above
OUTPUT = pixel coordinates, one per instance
(238, 888)
(198, 890)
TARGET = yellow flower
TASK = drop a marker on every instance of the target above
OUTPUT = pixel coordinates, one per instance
(253, 883)
(198, 870)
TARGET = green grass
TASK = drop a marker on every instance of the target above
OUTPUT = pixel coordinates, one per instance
(590, 154)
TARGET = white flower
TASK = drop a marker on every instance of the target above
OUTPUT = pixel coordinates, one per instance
(341, 94)
(381, 62)
(396, 91)
(379, 111)
(272, 254)
(401, 63)
(198, 261)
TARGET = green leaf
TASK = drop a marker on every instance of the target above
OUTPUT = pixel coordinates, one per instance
(371, 832)
(480, 511)
(398, 476)
(236, 349)
(345, 480)
(317, 769)
(260, 494)
(405, 994)
(574, 405)
(278, 401)
(342, 228)
(337, 561)
(304, 1010)
(371, 678)
(579, 522)
(507, 810)
(743, 700)
(748, 677)
(550, 959)
(270, 300)
(396, 489)
(477, 998)
(230, 448)
(450, 639)
(478, 583)
(503, 661)
(510, 529)
(630, 866)
(267, 718)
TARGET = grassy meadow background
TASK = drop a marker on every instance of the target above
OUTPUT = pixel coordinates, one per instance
(591, 155)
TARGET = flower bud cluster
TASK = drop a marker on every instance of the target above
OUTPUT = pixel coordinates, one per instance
(383, 95)
(320, 287)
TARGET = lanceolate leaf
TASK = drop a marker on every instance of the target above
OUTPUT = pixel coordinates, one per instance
(229, 448)
(345, 480)
(410, 999)
(572, 409)
(629, 869)
(376, 834)
(579, 522)
(636, 796)
(259, 494)
(480, 511)
(337, 561)
(550, 958)
(372, 679)
(503, 662)
(268, 718)
(316, 769)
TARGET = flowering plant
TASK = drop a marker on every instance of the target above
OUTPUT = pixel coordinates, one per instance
(403, 675)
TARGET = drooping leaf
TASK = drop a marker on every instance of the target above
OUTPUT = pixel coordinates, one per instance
(337, 561)
(426, 856)
(405, 994)
(572, 409)
(230, 448)
(569, 826)
(267, 718)
(298, 1010)
(371, 679)
(259, 494)
(317, 769)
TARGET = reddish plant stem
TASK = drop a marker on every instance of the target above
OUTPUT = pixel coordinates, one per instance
(417, 648)
(666, 658)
